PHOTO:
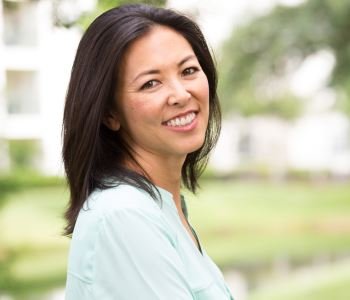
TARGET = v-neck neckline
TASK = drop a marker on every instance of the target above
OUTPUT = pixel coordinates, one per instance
(168, 197)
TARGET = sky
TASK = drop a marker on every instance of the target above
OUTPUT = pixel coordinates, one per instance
(218, 18)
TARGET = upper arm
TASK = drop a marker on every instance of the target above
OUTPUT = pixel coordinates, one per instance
(136, 258)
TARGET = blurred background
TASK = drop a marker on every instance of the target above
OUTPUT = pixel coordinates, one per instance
(274, 207)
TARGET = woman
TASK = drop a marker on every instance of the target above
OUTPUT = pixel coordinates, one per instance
(140, 119)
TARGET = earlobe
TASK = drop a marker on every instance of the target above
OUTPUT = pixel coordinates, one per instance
(112, 122)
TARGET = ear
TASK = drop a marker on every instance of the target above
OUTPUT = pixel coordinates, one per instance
(112, 121)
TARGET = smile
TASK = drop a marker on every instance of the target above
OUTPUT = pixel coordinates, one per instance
(181, 121)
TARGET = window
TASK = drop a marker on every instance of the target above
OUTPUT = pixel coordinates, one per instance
(22, 92)
(20, 26)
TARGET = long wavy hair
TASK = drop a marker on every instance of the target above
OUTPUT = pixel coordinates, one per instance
(93, 154)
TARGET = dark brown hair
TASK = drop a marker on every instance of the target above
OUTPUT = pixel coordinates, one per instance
(93, 155)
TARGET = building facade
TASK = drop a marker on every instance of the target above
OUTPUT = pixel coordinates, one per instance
(35, 62)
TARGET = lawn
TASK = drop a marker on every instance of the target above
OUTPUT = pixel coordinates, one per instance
(244, 225)
(259, 227)
(33, 251)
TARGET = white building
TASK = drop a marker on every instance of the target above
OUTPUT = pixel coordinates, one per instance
(315, 142)
(35, 62)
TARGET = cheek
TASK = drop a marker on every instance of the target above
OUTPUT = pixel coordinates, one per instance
(203, 91)
(141, 113)
(205, 102)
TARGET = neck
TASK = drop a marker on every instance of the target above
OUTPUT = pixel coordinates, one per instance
(164, 172)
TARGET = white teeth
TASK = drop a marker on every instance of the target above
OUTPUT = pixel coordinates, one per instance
(181, 121)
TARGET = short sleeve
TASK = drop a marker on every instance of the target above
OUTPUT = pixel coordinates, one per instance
(136, 258)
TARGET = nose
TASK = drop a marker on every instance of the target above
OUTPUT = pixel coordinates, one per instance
(179, 95)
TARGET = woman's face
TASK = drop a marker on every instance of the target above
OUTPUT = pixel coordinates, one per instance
(162, 101)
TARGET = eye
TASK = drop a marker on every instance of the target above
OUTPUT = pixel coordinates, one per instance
(150, 84)
(190, 71)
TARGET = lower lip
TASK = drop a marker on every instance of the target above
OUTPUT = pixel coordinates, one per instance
(185, 128)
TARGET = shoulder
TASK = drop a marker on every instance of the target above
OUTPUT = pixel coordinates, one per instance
(108, 216)
(120, 198)
(122, 203)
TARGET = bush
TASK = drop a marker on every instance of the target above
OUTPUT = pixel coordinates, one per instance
(19, 180)
(24, 154)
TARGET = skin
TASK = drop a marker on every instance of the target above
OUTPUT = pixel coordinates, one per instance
(161, 78)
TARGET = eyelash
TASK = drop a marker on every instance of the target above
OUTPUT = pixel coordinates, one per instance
(194, 70)
(149, 85)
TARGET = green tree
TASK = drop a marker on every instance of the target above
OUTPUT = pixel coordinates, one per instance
(84, 19)
(261, 52)
(103, 5)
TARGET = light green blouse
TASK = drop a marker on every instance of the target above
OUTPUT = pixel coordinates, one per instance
(127, 246)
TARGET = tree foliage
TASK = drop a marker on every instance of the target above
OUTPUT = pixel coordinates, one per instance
(71, 16)
(265, 49)
(104, 5)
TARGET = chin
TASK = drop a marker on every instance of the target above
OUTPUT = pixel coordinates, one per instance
(194, 147)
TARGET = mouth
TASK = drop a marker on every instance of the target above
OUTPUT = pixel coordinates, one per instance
(181, 121)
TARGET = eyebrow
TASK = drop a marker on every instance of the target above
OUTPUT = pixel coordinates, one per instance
(155, 71)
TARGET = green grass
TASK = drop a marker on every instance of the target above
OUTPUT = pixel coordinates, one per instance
(240, 224)
(252, 226)
(244, 223)
(33, 253)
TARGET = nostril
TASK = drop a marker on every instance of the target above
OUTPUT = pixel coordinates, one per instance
(173, 100)
(181, 97)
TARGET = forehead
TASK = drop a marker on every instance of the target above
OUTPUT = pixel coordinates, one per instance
(159, 47)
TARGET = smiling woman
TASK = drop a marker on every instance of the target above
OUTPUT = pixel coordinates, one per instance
(141, 117)
(162, 112)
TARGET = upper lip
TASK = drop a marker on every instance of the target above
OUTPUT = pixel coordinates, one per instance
(181, 114)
